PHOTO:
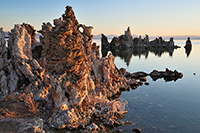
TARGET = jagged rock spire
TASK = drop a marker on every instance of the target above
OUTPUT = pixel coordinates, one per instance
(66, 83)
(128, 34)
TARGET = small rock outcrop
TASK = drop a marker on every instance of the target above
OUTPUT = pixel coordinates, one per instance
(188, 42)
(188, 47)
(121, 42)
(125, 40)
(168, 75)
(136, 130)
(128, 34)
(104, 42)
(161, 43)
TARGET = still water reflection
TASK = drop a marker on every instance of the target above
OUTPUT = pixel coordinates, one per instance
(126, 54)
(188, 50)
(169, 107)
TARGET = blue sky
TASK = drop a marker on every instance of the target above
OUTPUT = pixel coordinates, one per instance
(153, 17)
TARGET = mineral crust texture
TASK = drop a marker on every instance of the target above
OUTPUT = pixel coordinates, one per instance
(60, 81)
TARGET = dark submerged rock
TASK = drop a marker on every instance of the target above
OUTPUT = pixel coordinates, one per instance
(136, 130)
(168, 75)
(138, 75)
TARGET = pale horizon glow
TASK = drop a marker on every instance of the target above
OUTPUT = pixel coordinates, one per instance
(152, 17)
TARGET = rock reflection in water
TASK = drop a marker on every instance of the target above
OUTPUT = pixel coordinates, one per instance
(188, 50)
(126, 54)
(125, 46)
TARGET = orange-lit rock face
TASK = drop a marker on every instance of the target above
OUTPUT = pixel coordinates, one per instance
(45, 92)
(63, 44)
(31, 32)
(30, 102)
(7, 113)
(37, 129)
(64, 107)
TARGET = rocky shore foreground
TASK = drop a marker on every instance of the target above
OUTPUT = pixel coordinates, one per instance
(61, 82)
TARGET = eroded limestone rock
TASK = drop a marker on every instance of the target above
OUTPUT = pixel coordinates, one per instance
(62, 80)
(122, 42)
(31, 32)
(3, 50)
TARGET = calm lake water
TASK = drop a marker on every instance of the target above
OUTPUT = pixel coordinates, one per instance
(167, 107)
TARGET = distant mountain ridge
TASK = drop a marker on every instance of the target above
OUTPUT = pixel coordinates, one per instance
(177, 37)
(108, 36)
(181, 37)
(37, 35)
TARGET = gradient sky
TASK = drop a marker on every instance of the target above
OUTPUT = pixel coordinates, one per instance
(152, 17)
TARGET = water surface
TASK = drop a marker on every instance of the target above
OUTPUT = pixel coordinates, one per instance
(164, 106)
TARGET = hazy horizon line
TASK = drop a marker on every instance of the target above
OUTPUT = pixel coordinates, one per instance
(110, 36)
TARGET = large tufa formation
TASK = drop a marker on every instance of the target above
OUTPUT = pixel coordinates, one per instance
(127, 41)
(65, 84)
